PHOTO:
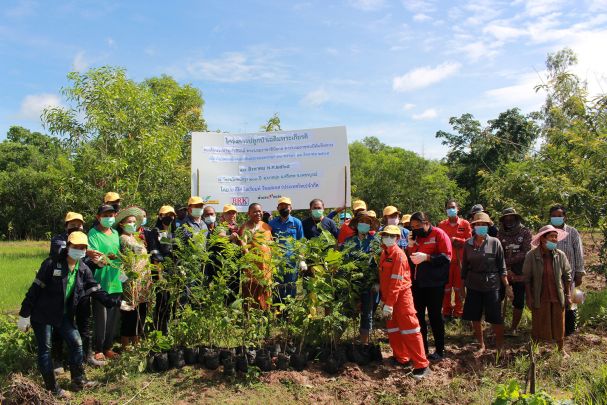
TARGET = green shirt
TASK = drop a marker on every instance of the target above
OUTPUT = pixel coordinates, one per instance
(108, 276)
(71, 281)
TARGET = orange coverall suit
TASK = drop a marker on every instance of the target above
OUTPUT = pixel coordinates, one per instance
(460, 232)
(395, 288)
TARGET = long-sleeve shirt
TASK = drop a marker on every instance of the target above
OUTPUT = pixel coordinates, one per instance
(435, 272)
(395, 279)
(461, 231)
(572, 246)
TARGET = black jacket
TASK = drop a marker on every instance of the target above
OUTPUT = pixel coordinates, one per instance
(45, 300)
(58, 245)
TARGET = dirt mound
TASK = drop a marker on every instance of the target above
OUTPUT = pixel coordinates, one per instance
(22, 390)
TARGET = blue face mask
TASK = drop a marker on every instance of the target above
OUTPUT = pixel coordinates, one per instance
(363, 228)
(550, 245)
(452, 212)
(145, 221)
(557, 221)
(481, 230)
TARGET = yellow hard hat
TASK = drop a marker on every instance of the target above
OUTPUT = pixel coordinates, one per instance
(359, 205)
(166, 209)
(195, 200)
(284, 200)
(70, 216)
(111, 196)
(391, 230)
(78, 238)
(229, 207)
(390, 209)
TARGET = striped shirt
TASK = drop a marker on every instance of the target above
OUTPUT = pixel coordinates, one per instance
(572, 247)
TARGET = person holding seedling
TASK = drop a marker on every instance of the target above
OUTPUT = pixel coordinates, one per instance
(135, 262)
(363, 242)
(395, 287)
(51, 303)
(104, 239)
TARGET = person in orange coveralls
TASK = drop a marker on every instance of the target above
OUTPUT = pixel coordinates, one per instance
(459, 231)
(395, 288)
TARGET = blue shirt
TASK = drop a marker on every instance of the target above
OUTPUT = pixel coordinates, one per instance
(292, 227)
(311, 228)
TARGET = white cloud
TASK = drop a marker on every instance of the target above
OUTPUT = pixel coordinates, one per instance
(80, 64)
(33, 105)
(232, 67)
(367, 5)
(427, 114)
(421, 17)
(536, 8)
(316, 97)
(408, 107)
(503, 32)
(424, 76)
(520, 94)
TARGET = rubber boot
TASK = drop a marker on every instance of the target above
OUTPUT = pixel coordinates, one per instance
(79, 381)
(50, 383)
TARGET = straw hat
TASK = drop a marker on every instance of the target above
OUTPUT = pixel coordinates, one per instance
(547, 229)
(481, 217)
(130, 212)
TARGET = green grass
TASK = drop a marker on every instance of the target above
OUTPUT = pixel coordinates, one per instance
(19, 262)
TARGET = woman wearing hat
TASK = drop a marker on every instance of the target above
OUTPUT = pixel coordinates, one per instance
(484, 272)
(50, 304)
(162, 249)
(362, 242)
(430, 255)
(547, 276)
(105, 239)
(135, 265)
(391, 216)
(402, 322)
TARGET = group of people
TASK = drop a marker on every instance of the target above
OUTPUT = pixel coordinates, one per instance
(454, 269)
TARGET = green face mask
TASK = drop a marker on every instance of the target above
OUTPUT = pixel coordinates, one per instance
(107, 222)
(129, 228)
(317, 214)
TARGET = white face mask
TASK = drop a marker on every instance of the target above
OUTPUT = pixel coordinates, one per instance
(388, 241)
(210, 219)
(392, 221)
(76, 254)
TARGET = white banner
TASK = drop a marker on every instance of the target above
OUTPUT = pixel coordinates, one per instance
(241, 169)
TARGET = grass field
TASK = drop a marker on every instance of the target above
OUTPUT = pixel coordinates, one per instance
(19, 262)
(460, 378)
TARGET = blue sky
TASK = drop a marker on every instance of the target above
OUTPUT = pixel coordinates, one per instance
(392, 69)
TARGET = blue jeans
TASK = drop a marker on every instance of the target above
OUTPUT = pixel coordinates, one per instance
(287, 281)
(368, 304)
(70, 335)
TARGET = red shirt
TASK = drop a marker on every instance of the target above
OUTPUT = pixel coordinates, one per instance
(345, 232)
(461, 232)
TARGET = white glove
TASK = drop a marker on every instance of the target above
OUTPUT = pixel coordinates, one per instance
(303, 266)
(387, 312)
(23, 323)
(419, 257)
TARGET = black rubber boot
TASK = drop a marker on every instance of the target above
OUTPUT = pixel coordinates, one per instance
(50, 383)
(79, 381)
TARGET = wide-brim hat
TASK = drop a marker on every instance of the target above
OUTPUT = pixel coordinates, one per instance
(510, 212)
(481, 217)
(136, 212)
(364, 214)
(547, 229)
